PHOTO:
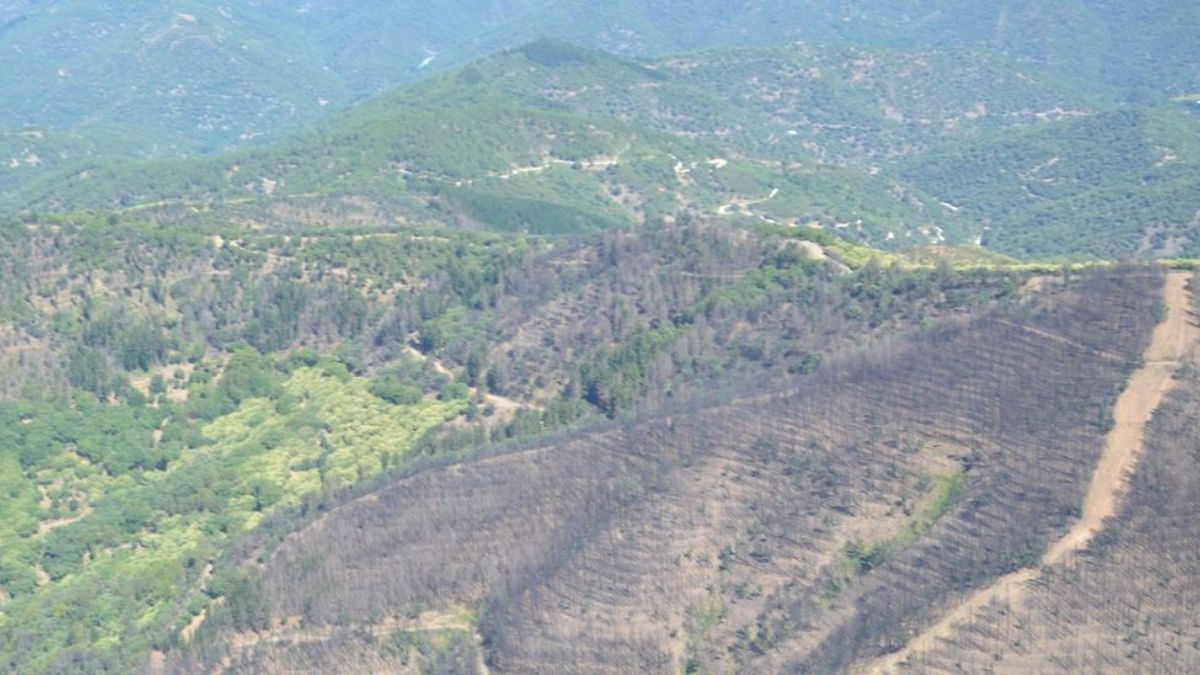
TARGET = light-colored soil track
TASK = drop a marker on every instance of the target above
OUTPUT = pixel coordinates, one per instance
(1172, 343)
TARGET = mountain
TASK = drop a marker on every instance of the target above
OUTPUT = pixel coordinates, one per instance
(1114, 178)
(889, 148)
(458, 149)
(198, 75)
(841, 105)
(161, 77)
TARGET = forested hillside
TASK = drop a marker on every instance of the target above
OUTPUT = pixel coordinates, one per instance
(461, 152)
(160, 76)
(892, 148)
(28, 155)
(1106, 185)
(203, 75)
(839, 104)
(169, 390)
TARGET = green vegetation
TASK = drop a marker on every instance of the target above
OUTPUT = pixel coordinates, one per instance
(1102, 186)
(135, 500)
(116, 72)
(161, 402)
(944, 493)
(897, 150)
(837, 104)
(529, 139)
(896, 139)
(959, 145)
(169, 390)
(474, 154)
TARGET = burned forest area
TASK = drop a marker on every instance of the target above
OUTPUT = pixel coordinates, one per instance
(811, 527)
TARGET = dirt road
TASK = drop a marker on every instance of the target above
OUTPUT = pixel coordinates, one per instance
(1171, 344)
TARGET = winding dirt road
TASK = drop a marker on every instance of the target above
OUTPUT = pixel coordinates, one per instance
(1171, 344)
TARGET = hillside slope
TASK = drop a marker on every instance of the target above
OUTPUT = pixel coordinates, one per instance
(167, 391)
(159, 76)
(478, 154)
(894, 149)
(1106, 185)
(855, 105)
(1126, 601)
(806, 528)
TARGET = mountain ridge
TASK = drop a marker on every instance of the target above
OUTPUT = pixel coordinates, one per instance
(112, 66)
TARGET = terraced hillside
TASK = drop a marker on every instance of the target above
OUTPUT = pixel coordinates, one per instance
(806, 529)
(165, 392)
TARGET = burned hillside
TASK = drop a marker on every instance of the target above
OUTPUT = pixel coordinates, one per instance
(804, 529)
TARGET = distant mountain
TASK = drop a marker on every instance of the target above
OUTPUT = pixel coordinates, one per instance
(891, 148)
(458, 150)
(842, 105)
(1031, 163)
(199, 75)
(159, 76)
